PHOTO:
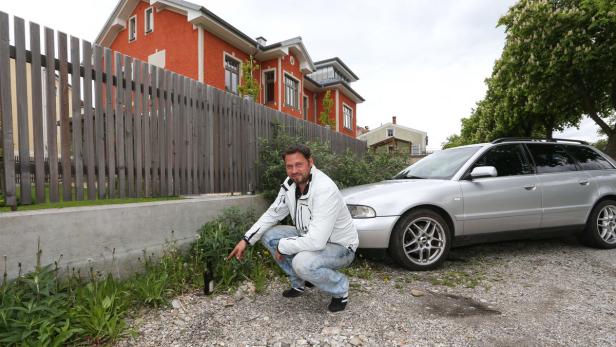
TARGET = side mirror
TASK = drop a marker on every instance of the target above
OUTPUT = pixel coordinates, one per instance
(483, 171)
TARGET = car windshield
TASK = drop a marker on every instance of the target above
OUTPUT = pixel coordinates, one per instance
(439, 165)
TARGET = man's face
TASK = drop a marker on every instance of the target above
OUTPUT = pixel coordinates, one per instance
(298, 167)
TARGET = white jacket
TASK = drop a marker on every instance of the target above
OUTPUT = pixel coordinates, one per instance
(321, 216)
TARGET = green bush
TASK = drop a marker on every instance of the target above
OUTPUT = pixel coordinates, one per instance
(216, 240)
(346, 169)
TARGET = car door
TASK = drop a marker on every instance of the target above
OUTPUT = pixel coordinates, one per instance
(510, 201)
(567, 191)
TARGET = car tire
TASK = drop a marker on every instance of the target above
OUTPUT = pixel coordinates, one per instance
(420, 240)
(600, 231)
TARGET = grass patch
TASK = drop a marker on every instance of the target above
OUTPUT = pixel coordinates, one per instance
(73, 202)
(360, 268)
(64, 204)
(457, 278)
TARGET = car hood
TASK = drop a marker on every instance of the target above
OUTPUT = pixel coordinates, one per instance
(392, 197)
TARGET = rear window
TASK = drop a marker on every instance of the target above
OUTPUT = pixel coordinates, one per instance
(551, 158)
(588, 158)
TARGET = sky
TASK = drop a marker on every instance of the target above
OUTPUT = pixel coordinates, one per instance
(422, 61)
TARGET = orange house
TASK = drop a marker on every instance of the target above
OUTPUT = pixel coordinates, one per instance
(191, 40)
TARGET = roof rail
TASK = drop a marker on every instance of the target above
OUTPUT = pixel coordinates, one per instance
(533, 139)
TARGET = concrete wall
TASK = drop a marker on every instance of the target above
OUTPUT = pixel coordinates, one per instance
(87, 236)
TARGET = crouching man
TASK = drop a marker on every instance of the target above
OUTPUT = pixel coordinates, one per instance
(323, 239)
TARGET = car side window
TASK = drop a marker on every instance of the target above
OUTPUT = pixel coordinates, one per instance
(551, 158)
(588, 158)
(509, 160)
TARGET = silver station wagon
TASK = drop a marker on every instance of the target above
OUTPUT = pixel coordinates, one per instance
(510, 188)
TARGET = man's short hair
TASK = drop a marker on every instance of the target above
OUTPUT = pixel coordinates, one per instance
(297, 148)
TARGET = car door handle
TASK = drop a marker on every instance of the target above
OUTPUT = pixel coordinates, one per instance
(530, 187)
(584, 183)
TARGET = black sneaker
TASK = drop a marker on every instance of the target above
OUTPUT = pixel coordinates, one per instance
(293, 292)
(338, 304)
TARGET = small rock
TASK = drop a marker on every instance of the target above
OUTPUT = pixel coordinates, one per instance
(176, 304)
(330, 331)
(301, 342)
(229, 302)
(238, 295)
(417, 293)
(356, 341)
(285, 344)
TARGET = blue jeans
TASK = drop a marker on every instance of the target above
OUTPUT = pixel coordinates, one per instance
(316, 267)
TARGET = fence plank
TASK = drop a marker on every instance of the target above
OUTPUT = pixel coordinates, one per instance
(99, 120)
(65, 125)
(177, 147)
(202, 147)
(147, 146)
(195, 137)
(76, 113)
(192, 129)
(37, 112)
(110, 123)
(119, 125)
(23, 127)
(128, 125)
(154, 129)
(168, 102)
(210, 142)
(185, 140)
(7, 114)
(50, 101)
(162, 145)
(88, 119)
(155, 124)
(137, 120)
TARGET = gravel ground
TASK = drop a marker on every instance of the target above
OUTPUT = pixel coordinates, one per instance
(524, 293)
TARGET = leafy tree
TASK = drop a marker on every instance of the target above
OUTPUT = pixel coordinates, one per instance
(558, 65)
(327, 103)
(249, 85)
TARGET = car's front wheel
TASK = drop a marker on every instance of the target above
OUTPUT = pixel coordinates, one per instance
(420, 240)
(600, 229)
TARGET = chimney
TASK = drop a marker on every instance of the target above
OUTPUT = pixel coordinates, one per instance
(393, 119)
(261, 40)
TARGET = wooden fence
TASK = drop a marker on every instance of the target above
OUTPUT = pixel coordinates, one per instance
(122, 128)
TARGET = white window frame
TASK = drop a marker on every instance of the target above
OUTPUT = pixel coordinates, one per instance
(392, 132)
(133, 27)
(305, 104)
(226, 55)
(344, 119)
(288, 75)
(264, 85)
(145, 20)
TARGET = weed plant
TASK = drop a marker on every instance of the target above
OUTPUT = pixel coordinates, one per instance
(216, 240)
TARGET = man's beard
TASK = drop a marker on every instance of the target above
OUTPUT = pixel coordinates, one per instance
(301, 179)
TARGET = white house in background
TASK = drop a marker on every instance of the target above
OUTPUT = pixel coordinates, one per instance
(396, 138)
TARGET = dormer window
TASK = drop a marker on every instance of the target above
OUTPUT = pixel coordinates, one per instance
(149, 20)
(390, 132)
(327, 74)
(132, 28)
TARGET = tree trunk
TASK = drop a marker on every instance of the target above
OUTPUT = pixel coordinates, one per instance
(610, 149)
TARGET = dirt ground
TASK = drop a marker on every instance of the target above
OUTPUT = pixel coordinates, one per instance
(524, 293)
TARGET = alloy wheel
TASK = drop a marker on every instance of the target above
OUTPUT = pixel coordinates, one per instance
(424, 241)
